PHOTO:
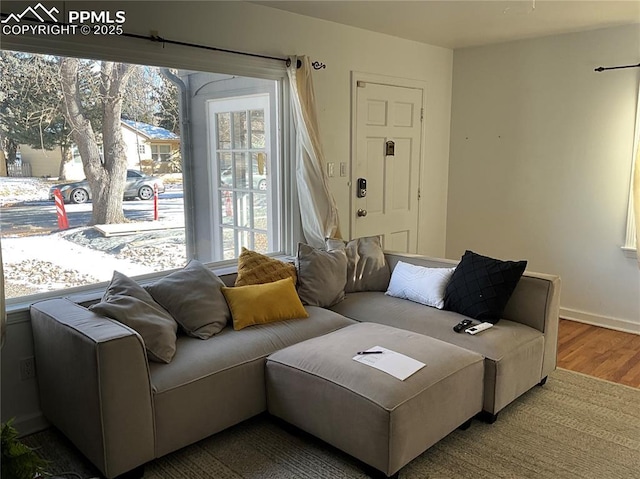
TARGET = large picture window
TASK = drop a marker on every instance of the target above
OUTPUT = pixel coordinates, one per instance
(222, 192)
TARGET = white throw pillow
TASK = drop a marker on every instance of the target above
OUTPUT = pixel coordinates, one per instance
(419, 284)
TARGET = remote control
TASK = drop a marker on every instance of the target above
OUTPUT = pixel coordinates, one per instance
(479, 327)
(462, 325)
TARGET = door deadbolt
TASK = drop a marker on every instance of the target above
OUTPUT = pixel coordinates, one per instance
(362, 212)
(361, 191)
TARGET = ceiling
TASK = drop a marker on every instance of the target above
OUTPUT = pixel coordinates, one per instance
(465, 23)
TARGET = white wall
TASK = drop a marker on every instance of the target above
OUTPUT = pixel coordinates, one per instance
(259, 29)
(541, 150)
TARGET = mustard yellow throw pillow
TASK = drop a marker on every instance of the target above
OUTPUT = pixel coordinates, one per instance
(264, 303)
(256, 268)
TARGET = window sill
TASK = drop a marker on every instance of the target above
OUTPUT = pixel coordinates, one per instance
(630, 252)
(16, 307)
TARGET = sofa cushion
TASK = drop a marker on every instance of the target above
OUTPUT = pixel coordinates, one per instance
(195, 360)
(367, 268)
(211, 385)
(128, 302)
(194, 298)
(514, 352)
(322, 275)
(419, 284)
(256, 268)
(481, 286)
(494, 343)
(264, 303)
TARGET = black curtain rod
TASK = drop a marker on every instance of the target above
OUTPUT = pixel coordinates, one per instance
(158, 39)
(602, 69)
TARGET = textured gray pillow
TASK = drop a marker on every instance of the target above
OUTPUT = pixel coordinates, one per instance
(322, 275)
(367, 268)
(194, 298)
(127, 302)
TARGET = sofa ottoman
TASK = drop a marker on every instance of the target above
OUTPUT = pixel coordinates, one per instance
(369, 414)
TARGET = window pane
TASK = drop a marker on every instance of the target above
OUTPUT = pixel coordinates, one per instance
(225, 166)
(241, 161)
(260, 220)
(243, 209)
(261, 243)
(245, 239)
(223, 127)
(257, 129)
(259, 171)
(239, 129)
(228, 243)
(226, 205)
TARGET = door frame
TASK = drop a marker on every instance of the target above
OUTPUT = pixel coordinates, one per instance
(387, 80)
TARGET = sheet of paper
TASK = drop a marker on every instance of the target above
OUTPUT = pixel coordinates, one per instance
(390, 362)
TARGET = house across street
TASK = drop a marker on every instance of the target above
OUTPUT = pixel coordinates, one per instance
(149, 148)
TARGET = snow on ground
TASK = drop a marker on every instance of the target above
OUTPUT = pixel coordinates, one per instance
(40, 263)
(49, 263)
(54, 248)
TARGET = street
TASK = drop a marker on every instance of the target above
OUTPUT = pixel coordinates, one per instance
(39, 217)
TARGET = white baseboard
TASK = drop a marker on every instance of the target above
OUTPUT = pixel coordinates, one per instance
(602, 321)
(30, 424)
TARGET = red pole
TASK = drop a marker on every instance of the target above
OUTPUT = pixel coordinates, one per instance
(155, 202)
(63, 222)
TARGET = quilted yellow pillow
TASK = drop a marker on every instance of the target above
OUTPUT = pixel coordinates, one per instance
(256, 268)
(264, 303)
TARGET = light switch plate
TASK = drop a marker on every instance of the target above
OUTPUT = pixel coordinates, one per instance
(331, 170)
(343, 169)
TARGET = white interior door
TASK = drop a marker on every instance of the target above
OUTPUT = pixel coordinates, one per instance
(387, 117)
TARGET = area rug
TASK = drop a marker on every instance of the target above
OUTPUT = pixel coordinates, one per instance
(575, 426)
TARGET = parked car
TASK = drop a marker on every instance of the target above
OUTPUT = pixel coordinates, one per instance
(138, 185)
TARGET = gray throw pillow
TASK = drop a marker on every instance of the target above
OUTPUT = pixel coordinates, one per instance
(367, 268)
(127, 302)
(322, 275)
(194, 298)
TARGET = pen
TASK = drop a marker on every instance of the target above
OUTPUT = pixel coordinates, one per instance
(370, 352)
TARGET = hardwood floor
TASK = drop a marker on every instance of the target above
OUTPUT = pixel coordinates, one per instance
(599, 352)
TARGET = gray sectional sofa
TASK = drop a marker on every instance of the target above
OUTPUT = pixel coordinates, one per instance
(121, 411)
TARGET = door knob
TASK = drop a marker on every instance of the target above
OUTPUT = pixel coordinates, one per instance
(362, 212)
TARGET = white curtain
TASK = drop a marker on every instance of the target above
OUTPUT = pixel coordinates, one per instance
(318, 209)
(636, 191)
(635, 183)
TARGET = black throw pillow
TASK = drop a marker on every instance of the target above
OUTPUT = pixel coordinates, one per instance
(481, 286)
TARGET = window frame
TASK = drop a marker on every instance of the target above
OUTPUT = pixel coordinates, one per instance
(160, 156)
(127, 50)
(245, 103)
